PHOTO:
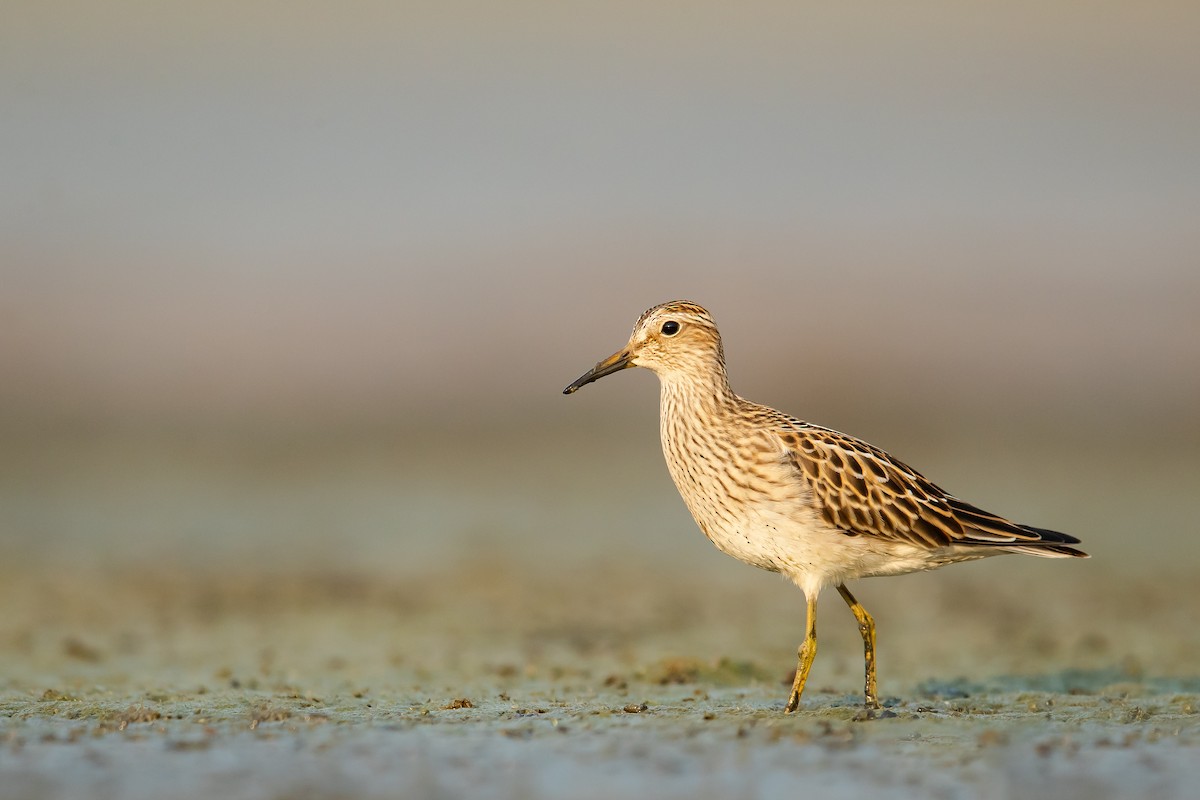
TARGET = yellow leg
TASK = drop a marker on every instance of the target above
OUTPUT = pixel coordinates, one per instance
(808, 651)
(866, 627)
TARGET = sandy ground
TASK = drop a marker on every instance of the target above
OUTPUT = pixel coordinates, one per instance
(327, 623)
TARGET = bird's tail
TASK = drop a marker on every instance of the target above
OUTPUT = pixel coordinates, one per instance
(1050, 544)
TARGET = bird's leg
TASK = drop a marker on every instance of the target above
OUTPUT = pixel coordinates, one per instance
(866, 627)
(806, 654)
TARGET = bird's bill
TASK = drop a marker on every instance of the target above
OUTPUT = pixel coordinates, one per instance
(614, 363)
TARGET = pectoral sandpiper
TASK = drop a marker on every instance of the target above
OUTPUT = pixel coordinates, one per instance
(788, 496)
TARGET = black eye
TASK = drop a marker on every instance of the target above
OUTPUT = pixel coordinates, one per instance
(670, 328)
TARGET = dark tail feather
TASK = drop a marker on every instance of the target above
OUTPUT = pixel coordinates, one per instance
(986, 526)
(1048, 535)
(1051, 544)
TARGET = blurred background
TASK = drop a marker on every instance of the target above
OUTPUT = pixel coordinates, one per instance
(300, 283)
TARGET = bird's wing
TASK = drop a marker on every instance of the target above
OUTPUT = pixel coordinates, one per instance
(862, 490)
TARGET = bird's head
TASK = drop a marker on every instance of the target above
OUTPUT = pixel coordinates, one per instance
(675, 339)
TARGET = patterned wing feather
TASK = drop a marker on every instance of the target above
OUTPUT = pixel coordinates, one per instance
(861, 490)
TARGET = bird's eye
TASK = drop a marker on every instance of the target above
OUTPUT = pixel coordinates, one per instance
(670, 328)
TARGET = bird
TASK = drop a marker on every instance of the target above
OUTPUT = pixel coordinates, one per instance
(817, 506)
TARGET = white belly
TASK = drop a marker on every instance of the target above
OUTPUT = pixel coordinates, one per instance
(810, 553)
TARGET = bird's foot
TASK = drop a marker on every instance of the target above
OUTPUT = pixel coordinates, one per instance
(870, 713)
(873, 710)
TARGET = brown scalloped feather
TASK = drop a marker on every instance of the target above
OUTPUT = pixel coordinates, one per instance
(863, 491)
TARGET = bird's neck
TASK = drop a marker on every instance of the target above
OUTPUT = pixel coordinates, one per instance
(696, 394)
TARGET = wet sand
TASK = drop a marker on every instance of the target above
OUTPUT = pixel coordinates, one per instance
(293, 637)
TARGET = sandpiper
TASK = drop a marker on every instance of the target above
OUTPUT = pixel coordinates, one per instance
(815, 505)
